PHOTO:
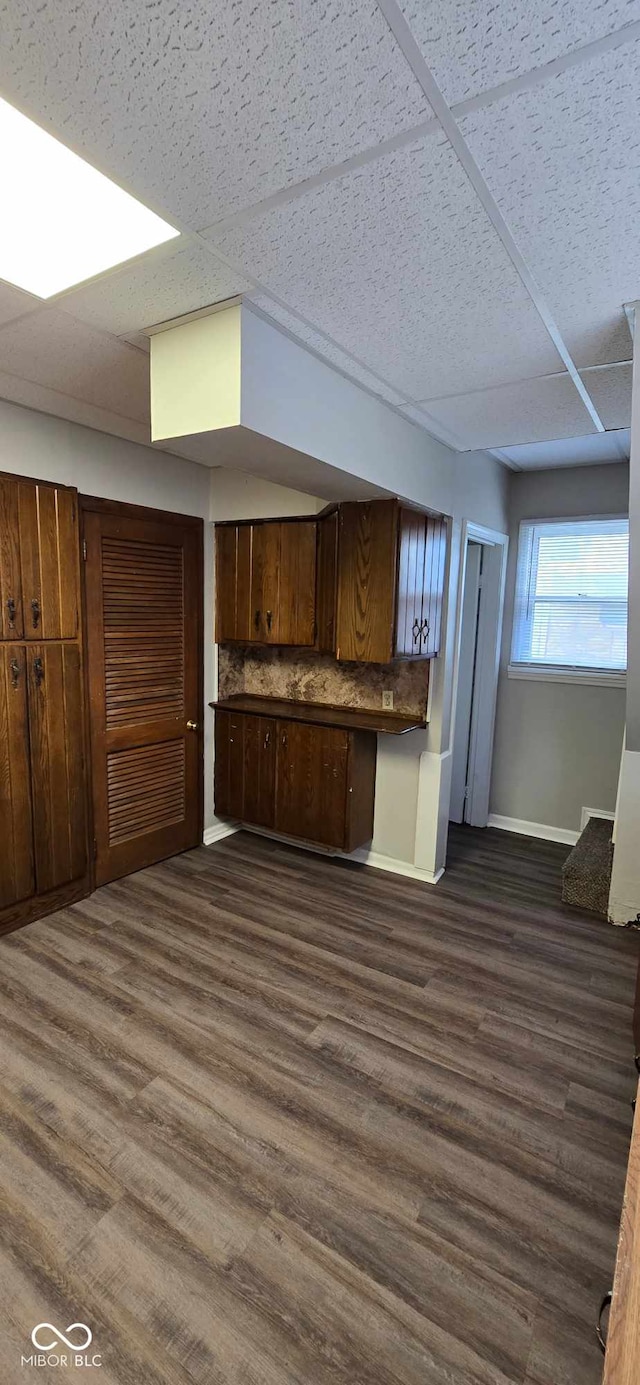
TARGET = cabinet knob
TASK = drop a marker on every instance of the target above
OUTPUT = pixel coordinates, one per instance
(192, 726)
(15, 673)
(11, 611)
(35, 612)
(38, 671)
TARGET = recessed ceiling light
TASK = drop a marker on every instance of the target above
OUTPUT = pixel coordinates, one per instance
(62, 221)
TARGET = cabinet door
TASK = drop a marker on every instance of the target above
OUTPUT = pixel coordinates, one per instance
(367, 581)
(327, 583)
(265, 582)
(49, 561)
(233, 582)
(11, 626)
(296, 608)
(433, 593)
(311, 782)
(16, 853)
(259, 771)
(229, 764)
(411, 565)
(57, 764)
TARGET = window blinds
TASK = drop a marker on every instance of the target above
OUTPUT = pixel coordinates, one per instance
(571, 594)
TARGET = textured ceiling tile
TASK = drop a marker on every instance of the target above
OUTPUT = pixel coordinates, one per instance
(399, 263)
(206, 107)
(330, 353)
(156, 288)
(610, 390)
(529, 411)
(52, 349)
(13, 302)
(563, 162)
(589, 451)
(471, 47)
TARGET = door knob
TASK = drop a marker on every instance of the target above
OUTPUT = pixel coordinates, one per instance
(192, 726)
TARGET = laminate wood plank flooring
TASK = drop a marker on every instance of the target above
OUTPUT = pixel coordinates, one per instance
(269, 1118)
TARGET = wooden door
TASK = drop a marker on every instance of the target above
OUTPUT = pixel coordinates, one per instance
(265, 582)
(144, 656)
(233, 582)
(296, 609)
(48, 541)
(229, 764)
(11, 623)
(367, 581)
(411, 564)
(311, 782)
(259, 771)
(58, 779)
(17, 879)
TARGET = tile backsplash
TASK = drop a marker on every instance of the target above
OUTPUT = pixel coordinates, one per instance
(306, 676)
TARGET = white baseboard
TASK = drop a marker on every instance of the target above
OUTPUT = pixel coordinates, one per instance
(543, 830)
(595, 813)
(366, 857)
(216, 834)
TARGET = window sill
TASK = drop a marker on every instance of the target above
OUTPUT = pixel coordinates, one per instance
(588, 676)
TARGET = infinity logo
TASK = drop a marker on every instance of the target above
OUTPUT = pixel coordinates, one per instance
(73, 1346)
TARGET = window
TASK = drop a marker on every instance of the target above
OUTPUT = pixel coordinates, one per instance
(571, 597)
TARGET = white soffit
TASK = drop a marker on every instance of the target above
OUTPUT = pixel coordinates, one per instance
(203, 108)
(400, 264)
(164, 284)
(589, 451)
(14, 303)
(610, 389)
(561, 160)
(50, 348)
(537, 410)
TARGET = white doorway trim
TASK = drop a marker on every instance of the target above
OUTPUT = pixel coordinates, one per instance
(494, 571)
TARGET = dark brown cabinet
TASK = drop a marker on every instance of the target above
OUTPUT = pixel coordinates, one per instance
(266, 582)
(390, 582)
(304, 780)
(43, 804)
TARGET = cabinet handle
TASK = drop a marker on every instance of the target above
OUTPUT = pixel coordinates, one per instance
(599, 1333)
(257, 620)
(15, 672)
(11, 610)
(38, 671)
(416, 630)
(267, 739)
(269, 619)
(36, 612)
(284, 740)
(424, 629)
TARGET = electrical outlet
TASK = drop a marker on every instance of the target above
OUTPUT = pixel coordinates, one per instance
(387, 700)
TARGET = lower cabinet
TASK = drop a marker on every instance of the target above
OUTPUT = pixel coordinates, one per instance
(309, 781)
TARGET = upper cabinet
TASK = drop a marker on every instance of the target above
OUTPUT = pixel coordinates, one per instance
(364, 582)
(38, 561)
(390, 582)
(266, 582)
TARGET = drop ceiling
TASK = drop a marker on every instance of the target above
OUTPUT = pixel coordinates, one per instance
(439, 199)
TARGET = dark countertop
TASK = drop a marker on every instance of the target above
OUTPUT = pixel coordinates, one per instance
(319, 714)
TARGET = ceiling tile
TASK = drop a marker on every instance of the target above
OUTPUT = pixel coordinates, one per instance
(206, 107)
(399, 263)
(160, 286)
(610, 390)
(528, 411)
(14, 303)
(563, 162)
(330, 353)
(589, 451)
(52, 349)
(473, 47)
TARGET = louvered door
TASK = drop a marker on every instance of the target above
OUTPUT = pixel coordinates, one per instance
(144, 614)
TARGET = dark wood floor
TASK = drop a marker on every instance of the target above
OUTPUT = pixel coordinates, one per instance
(269, 1118)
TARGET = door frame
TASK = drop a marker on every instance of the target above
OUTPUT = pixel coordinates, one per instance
(490, 616)
(93, 504)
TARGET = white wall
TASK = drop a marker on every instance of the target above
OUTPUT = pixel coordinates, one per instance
(557, 745)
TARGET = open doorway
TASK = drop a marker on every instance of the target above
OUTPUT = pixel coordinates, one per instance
(479, 631)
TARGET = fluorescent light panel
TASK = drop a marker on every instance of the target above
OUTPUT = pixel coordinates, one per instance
(62, 222)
